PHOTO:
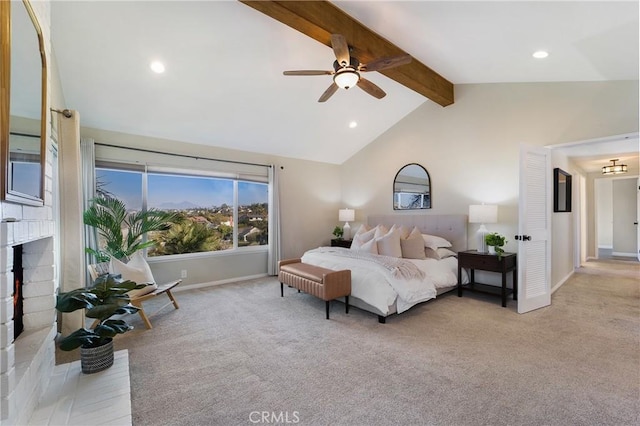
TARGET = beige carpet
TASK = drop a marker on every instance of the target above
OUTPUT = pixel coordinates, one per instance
(234, 351)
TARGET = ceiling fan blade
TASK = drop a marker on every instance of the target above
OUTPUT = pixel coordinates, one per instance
(329, 92)
(371, 88)
(340, 48)
(308, 72)
(386, 63)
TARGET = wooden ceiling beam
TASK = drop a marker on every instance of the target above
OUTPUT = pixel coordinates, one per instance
(320, 19)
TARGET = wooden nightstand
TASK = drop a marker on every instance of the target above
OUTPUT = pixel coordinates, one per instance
(488, 262)
(341, 243)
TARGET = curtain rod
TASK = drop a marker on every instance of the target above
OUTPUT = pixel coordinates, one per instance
(24, 134)
(184, 155)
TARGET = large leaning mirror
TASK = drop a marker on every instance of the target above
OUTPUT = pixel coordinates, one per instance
(23, 77)
(412, 188)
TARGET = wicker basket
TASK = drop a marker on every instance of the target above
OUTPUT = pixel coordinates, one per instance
(96, 359)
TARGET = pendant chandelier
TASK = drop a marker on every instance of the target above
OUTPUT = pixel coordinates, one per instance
(614, 169)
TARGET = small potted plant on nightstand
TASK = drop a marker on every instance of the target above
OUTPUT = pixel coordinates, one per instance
(338, 232)
(494, 242)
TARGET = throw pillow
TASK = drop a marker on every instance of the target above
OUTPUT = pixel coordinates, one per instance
(136, 270)
(389, 244)
(413, 248)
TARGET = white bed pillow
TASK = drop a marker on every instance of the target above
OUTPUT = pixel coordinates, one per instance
(389, 244)
(433, 241)
(136, 270)
(370, 246)
(439, 253)
(443, 253)
(413, 245)
(361, 238)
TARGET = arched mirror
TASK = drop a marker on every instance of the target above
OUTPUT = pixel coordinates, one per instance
(23, 77)
(412, 188)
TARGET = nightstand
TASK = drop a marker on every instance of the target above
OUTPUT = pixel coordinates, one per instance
(488, 262)
(341, 243)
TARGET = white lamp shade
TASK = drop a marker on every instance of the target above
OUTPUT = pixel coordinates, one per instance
(346, 215)
(483, 213)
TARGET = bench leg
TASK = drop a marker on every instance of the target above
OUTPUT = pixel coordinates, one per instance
(143, 315)
(173, 299)
(327, 306)
(346, 302)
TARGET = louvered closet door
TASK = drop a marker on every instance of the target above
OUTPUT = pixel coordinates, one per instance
(534, 250)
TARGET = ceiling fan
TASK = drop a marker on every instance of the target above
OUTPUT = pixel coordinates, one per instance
(347, 69)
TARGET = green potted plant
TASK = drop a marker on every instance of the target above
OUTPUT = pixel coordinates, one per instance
(105, 299)
(338, 232)
(122, 231)
(494, 242)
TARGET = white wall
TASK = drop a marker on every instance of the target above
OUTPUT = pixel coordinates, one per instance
(604, 214)
(624, 215)
(471, 148)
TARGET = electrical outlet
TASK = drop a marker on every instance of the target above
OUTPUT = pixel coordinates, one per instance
(183, 274)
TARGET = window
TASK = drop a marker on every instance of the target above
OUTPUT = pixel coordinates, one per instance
(210, 218)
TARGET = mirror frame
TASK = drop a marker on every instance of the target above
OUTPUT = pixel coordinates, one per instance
(430, 193)
(6, 193)
(558, 192)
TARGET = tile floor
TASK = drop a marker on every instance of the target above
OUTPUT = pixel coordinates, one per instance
(74, 398)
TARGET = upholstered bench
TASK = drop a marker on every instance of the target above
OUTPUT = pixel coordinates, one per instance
(323, 283)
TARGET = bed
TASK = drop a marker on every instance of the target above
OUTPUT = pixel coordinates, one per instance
(384, 285)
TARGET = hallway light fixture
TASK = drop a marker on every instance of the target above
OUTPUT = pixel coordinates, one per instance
(614, 169)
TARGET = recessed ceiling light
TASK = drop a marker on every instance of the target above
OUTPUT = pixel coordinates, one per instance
(353, 125)
(157, 67)
(540, 54)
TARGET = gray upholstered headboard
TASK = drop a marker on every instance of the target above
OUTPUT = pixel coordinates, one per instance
(453, 227)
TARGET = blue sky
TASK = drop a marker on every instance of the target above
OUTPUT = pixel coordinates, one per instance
(22, 179)
(164, 189)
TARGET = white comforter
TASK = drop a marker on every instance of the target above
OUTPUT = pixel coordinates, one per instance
(376, 285)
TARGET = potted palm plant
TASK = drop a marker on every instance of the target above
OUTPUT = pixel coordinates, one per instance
(105, 299)
(122, 231)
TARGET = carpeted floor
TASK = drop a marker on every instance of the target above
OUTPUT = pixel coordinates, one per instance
(239, 354)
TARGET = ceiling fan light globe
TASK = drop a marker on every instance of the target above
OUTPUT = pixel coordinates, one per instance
(346, 78)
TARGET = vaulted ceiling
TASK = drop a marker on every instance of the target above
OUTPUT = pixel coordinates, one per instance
(223, 84)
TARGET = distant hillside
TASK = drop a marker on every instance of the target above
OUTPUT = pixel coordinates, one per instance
(183, 205)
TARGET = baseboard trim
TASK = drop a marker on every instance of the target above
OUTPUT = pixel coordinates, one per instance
(561, 282)
(215, 283)
(617, 253)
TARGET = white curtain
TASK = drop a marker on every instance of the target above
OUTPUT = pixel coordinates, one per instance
(274, 222)
(88, 161)
(72, 266)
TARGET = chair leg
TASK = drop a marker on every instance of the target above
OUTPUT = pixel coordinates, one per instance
(281, 290)
(143, 315)
(173, 299)
(346, 301)
(327, 307)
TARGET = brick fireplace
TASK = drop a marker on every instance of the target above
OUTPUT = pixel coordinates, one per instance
(26, 363)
